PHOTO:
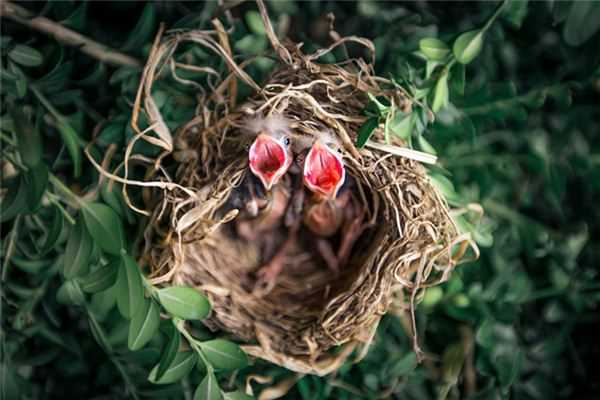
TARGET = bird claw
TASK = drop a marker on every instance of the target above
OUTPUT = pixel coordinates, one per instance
(267, 277)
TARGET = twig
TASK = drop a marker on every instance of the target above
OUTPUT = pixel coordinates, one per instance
(66, 35)
(403, 152)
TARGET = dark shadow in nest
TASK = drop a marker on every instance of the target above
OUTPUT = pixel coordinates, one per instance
(306, 278)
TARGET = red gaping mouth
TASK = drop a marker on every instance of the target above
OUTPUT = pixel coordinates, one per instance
(324, 172)
(268, 160)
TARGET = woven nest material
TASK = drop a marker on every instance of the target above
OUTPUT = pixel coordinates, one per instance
(311, 320)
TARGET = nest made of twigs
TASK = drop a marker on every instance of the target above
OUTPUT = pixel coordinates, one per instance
(311, 320)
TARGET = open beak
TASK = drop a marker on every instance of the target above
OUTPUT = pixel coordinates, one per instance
(269, 160)
(324, 171)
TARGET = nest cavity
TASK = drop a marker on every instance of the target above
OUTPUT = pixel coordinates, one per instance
(311, 320)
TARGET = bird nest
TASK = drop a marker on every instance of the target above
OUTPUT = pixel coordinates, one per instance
(310, 320)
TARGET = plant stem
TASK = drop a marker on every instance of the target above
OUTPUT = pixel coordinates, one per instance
(494, 17)
(59, 185)
(10, 248)
(52, 198)
(66, 35)
(180, 325)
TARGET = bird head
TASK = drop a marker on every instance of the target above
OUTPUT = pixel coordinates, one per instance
(324, 171)
(270, 155)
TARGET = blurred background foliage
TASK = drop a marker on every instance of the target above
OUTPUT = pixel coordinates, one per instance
(523, 141)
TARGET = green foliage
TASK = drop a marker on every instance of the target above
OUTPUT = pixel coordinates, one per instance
(504, 93)
(184, 302)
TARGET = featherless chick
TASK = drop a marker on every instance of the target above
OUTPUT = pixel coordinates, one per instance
(331, 208)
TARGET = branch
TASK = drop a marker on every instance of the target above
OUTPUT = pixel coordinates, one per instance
(66, 35)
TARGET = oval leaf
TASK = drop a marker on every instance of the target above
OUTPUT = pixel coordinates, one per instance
(36, 179)
(26, 56)
(144, 326)
(20, 80)
(70, 293)
(56, 227)
(15, 201)
(99, 335)
(440, 94)
(468, 46)
(181, 366)
(169, 352)
(434, 49)
(130, 290)
(101, 279)
(208, 388)
(223, 354)
(402, 125)
(365, 131)
(78, 252)
(582, 23)
(102, 302)
(184, 302)
(236, 396)
(28, 138)
(105, 227)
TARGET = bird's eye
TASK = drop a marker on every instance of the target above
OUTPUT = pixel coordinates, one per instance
(286, 141)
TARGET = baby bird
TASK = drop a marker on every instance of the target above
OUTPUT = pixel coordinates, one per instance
(269, 159)
(329, 212)
(270, 155)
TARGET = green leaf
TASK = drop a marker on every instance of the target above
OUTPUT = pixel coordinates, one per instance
(440, 94)
(402, 125)
(70, 293)
(28, 138)
(366, 130)
(255, 23)
(236, 396)
(66, 131)
(582, 23)
(9, 389)
(468, 46)
(15, 201)
(130, 290)
(102, 278)
(20, 80)
(458, 79)
(184, 302)
(78, 251)
(26, 56)
(36, 179)
(169, 352)
(485, 334)
(77, 19)
(144, 325)
(181, 366)
(103, 301)
(223, 354)
(434, 49)
(99, 335)
(104, 226)
(56, 226)
(452, 362)
(515, 12)
(208, 388)
(58, 78)
(142, 32)
(509, 365)
(405, 365)
(446, 188)
(425, 146)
